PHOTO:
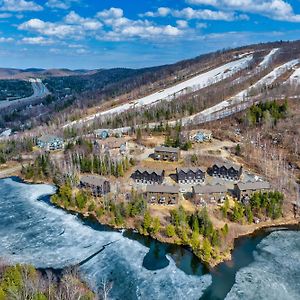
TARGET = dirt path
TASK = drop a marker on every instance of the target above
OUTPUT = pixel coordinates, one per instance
(10, 171)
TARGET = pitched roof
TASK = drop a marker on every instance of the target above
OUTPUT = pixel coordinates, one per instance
(166, 149)
(95, 180)
(209, 189)
(157, 188)
(193, 169)
(228, 165)
(150, 171)
(258, 185)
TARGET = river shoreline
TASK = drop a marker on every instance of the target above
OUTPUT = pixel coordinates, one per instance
(226, 256)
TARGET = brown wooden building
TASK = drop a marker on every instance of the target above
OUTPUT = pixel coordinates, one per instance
(166, 153)
(162, 194)
(98, 185)
(244, 191)
(148, 176)
(209, 194)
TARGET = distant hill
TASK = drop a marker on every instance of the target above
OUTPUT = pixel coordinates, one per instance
(10, 73)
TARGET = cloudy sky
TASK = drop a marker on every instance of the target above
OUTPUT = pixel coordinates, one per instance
(135, 33)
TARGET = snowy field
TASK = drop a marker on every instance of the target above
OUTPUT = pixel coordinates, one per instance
(33, 232)
(274, 274)
(196, 83)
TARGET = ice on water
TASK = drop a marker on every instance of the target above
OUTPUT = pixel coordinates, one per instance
(33, 232)
(275, 272)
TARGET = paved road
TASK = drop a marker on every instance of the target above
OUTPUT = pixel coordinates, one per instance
(39, 91)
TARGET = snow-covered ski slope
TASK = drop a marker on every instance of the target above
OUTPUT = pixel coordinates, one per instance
(268, 58)
(242, 96)
(295, 77)
(193, 84)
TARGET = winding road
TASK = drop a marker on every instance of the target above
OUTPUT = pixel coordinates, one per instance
(39, 91)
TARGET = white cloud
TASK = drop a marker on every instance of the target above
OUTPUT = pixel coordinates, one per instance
(19, 5)
(86, 23)
(122, 28)
(190, 13)
(38, 40)
(61, 4)
(182, 23)
(6, 40)
(51, 29)
(5, 15)
(112, 13)
(274, 9)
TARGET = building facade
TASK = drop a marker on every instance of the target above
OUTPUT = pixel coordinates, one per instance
(50, 142)
(226, 171)
(209, 194)
(98, 185)
(190, 175)
(244, 191)
(162, 194)
(166, 153)
(148, 176)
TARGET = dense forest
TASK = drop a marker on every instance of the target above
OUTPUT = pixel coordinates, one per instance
(14, 89)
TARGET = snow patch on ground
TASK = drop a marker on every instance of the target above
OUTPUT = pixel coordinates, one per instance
(274, 274)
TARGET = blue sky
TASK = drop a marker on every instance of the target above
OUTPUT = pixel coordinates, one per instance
(135, 33)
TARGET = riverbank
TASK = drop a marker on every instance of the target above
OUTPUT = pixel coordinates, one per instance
(237, 230)
(248, 230)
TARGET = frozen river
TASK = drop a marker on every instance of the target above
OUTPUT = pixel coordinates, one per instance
(32, 231)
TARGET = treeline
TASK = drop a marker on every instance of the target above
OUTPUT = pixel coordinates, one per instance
(266, 113)
(41, 169)
(25, 282)
(116, 213)
(102, 165)
(195, 230)
(12, 149)
(260, 205)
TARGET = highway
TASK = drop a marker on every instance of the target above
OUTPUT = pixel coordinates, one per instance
(39, 91)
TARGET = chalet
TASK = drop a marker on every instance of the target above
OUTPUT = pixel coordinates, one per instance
(209, 194)
(162, 194)
(98, 185)
(148, 176)
(243, 191)
(202, 136)
(102, 133)
(190, 175)
(226, 170)
(113, 143)
(50, 142)
(166, 153)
